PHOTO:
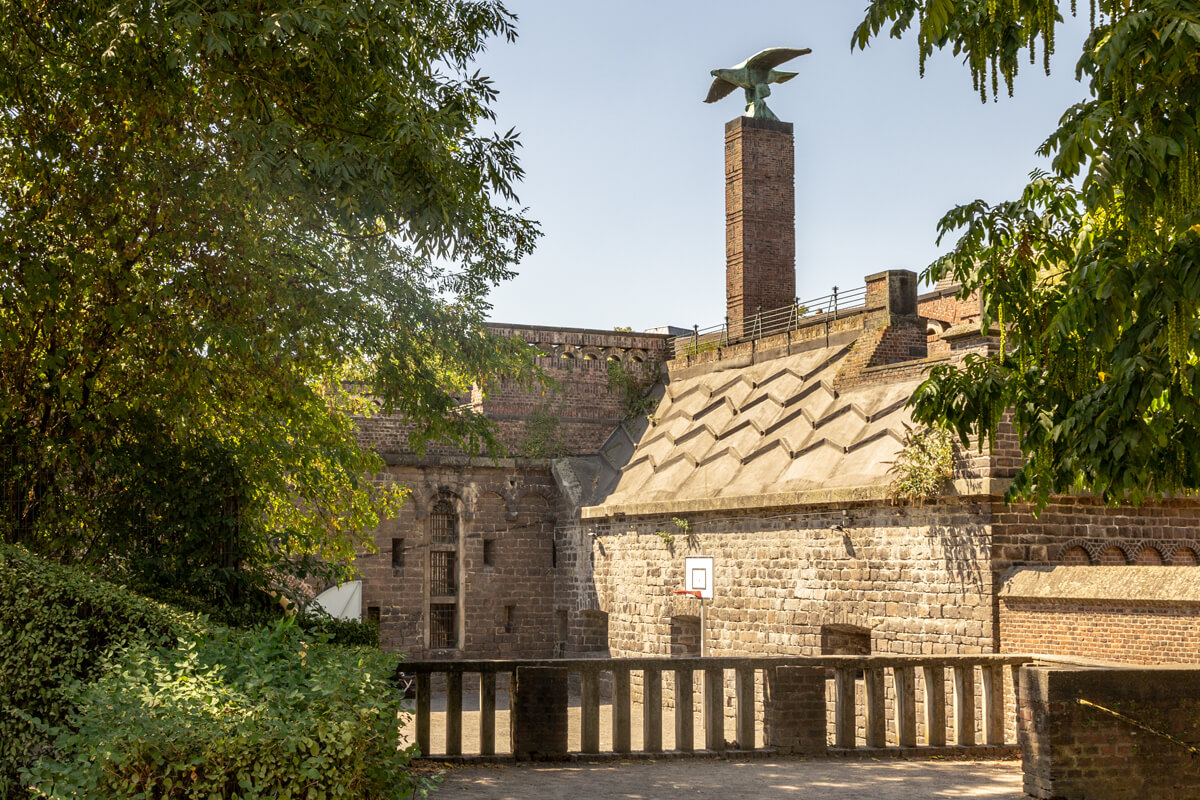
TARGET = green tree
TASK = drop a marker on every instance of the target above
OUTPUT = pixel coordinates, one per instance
(1093, 275)
(213, 217)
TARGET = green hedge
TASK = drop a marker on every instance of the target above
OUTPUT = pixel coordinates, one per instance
(248, 714)
(105, 694)
(56, 625)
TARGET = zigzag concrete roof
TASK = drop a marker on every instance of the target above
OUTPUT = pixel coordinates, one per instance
(769, 428)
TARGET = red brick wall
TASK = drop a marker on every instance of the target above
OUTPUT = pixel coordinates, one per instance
(1019, 537)
(1132, 634)
(760, 218)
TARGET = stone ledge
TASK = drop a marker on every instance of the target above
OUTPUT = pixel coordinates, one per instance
(989, 488)
(1129, 584)
(411, 460)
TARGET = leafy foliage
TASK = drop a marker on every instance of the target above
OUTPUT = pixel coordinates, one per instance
(56, 626)
(213, 217)
(924, 465)
(1093, 275)
(260, 714)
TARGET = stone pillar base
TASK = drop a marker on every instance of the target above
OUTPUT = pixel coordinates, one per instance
(538, 721)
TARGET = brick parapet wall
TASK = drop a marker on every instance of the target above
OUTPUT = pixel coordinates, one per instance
(625, 345)
(944, 306)
(815, 331)
(794, 698)
(1072, 751)
(581, 403)
(539, 719)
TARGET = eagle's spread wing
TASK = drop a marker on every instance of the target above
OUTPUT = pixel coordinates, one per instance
(772, 57)
(720, 88)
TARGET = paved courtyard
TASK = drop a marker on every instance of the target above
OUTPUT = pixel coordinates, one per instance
(716, 779)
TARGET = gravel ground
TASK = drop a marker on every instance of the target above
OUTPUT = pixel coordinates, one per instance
(717, 779)
(701, 778)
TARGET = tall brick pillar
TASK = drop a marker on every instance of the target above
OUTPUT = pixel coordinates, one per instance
(760, 219)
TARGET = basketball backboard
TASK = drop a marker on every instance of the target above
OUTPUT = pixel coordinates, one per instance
(698, 575)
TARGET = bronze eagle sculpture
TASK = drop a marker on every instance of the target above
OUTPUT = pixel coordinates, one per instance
(755, 75)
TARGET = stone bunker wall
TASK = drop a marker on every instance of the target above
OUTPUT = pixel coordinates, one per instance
(505, 561)
(916, 579)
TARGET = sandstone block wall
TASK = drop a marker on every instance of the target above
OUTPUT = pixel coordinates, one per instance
(916, 579)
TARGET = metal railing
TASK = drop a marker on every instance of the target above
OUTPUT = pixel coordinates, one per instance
(934, 703)
(768, 323)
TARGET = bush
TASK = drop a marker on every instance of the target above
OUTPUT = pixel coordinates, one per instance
(56, 627)
(346, 632)
(263, 609)
(248, 714)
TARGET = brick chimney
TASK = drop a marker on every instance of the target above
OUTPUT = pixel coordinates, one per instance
(760, 219)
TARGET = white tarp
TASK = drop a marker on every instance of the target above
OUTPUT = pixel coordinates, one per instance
(343, 601)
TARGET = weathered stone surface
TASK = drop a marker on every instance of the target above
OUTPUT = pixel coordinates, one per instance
(539, 713)
(1073, 751)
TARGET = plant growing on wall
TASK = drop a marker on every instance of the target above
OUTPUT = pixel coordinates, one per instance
(924, 465)
(633, 388)
(688, 534)
(543, 434)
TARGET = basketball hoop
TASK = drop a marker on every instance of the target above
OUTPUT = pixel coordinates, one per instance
(689, 592)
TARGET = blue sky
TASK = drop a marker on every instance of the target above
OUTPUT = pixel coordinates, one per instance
(624, 162)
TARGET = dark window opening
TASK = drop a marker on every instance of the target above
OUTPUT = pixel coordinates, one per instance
(443, 626)
(373, 614)
(397, 553)
(509, 611)
(489, 552)
(685, 636)
(560, 631)
(553, 553)
(845, 640)
(443, 575)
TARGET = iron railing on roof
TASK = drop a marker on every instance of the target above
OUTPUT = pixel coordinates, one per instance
(768, 323)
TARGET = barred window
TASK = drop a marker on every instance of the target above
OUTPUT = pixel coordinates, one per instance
(443, 626)
(443, 524)
(443, 575)
(442, 582)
